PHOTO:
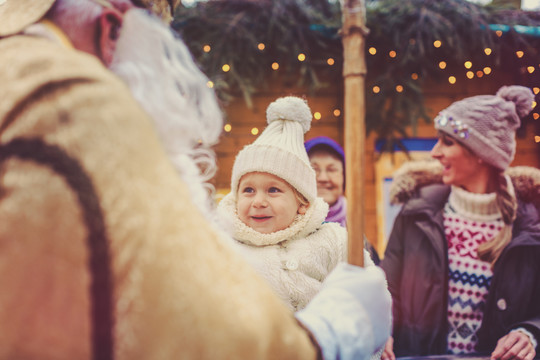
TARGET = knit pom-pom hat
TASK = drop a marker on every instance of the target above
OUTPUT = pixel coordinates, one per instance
(279, 150)
(486, 124)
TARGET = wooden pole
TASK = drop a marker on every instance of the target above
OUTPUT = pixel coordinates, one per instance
(354, 72)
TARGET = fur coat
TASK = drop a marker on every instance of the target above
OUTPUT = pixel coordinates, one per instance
(102, 251)
(296, 260)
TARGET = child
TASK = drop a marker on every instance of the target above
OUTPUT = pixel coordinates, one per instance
(277, 217)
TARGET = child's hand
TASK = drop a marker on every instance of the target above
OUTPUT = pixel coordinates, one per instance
(388, 352)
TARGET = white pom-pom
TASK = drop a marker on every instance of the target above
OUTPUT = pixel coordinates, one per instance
(290, 108)
(522, 96)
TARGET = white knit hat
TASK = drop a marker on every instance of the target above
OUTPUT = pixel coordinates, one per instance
(279, 150)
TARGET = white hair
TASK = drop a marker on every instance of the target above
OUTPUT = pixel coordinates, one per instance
(163, 77)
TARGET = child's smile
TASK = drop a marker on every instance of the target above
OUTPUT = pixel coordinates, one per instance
(266, 203)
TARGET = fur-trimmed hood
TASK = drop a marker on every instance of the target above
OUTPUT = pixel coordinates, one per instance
(415, 174)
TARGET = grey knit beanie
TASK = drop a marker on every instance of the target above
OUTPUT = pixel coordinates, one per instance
(279, 150)
(486, 124)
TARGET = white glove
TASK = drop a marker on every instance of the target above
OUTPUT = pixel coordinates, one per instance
(351, 316)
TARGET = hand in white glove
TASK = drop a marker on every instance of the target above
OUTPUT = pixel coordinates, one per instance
(351, 316)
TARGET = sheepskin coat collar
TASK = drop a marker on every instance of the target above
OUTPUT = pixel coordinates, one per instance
(414, 175)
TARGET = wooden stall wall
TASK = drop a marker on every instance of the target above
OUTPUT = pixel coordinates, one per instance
(328, 102)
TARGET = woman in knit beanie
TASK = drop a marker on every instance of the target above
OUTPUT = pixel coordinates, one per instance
(463, 258)
(288, 242)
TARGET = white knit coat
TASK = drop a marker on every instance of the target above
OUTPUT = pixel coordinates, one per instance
(295, 260)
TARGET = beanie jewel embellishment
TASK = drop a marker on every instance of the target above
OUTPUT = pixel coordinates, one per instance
(487, 124)
(458, 127)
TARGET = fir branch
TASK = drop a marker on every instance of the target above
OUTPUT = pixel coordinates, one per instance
(234, 29)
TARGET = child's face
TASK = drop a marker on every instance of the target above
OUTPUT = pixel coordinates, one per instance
(266, 203)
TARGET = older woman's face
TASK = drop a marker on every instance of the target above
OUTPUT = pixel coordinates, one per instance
(329, 170)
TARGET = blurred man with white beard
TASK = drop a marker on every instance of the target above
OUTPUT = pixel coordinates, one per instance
(106, 251)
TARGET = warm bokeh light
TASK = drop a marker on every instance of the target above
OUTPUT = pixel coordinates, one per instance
(372, 50)
(414, 76)
(227, 128)
(537, 139)
(330, 61)
(468, 64)
(261, 46)
(487, 70)
(226, 68)
(536, 116)
(301, 57)
(530, 69)
(536, 90)
(499, 33)
(254, 131)
(533, 105)
(392, 54)
(470, 74)
(206, 48)
(452, 80)
(479, 73)
(487, 51)
(442, 65)
(337, 112)
(210, 84)
(376, 89)
(399, 88)
(317, 115)
(520, 54)
(437, 43)
(275, 66)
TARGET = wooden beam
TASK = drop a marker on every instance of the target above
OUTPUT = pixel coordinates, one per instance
(354, 73)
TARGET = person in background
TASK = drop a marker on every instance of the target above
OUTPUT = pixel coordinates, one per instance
(107, 249)
(278, 219)
(462, 260)
(328, 160)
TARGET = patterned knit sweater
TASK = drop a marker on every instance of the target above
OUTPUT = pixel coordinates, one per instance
(469, 220)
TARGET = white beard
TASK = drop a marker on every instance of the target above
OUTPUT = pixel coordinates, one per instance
(163, 78)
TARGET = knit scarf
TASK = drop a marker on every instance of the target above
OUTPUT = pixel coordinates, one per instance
(338, 212)
(301, 226)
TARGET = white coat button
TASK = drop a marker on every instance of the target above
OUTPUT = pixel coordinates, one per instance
(501, 304)
(291, 264)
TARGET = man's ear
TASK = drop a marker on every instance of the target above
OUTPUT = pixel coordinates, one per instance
(110, 24)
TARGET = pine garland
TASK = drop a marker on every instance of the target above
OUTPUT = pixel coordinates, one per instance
(235, 28)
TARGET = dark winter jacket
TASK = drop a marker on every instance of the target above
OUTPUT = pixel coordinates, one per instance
(416, 265)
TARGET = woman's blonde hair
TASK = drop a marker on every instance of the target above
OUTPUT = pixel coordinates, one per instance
(507, 203)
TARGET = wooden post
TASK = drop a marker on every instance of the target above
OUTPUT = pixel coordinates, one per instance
(354, 72)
